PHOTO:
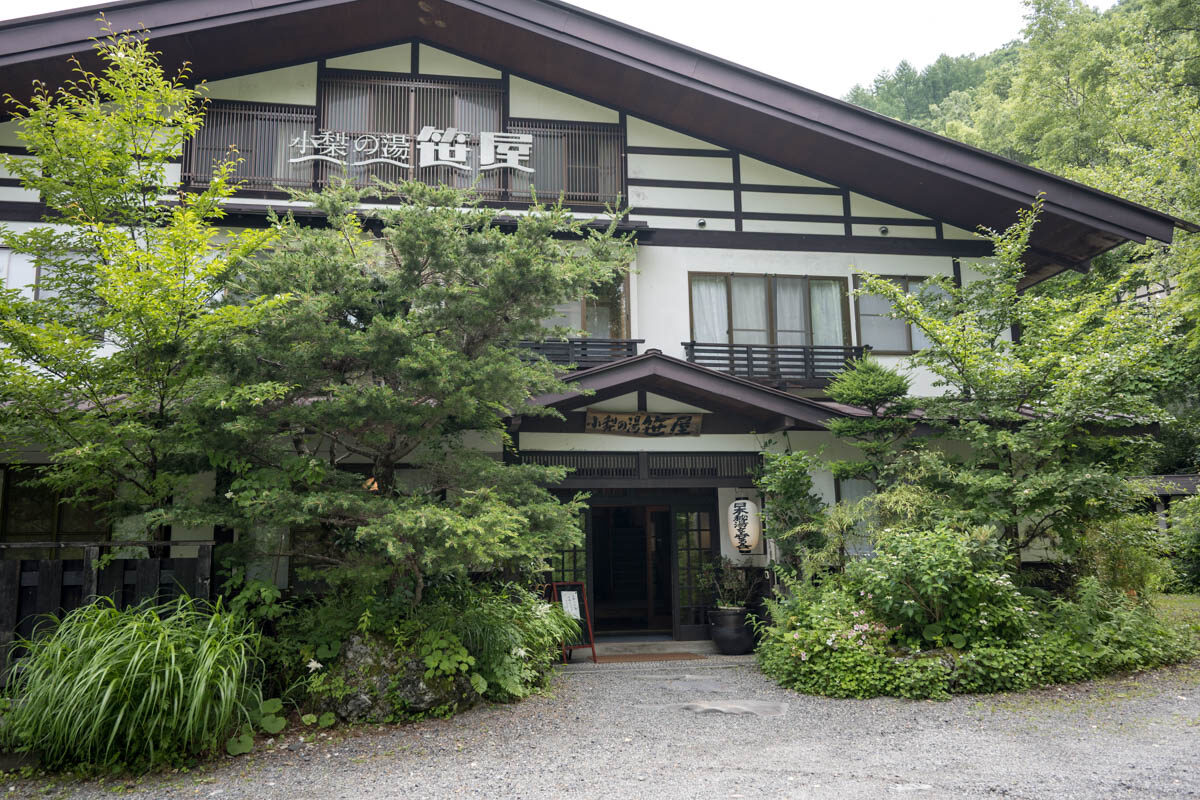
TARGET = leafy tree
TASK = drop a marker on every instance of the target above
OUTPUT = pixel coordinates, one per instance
(883, 393)
(1048, 424)
(99, 364)
(364, 408)
(792, 511)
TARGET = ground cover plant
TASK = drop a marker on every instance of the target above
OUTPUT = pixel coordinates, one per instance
(137, 688)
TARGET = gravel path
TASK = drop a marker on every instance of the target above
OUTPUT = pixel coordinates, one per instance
(638, 730)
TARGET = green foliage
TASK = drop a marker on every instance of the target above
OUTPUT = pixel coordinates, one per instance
(733, 586)
(883, 392)
(101, 370)
(942, 586)
(832, 640)
(822, 642)
(1048, 425)
(1124, 553)
(1184, 544)
(402, 341)
(137, 688)
(913, 96)
(509, 635)
(786, 479)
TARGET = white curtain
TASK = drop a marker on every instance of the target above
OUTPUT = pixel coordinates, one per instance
(750, 310)
(710, 313)
(791, 314)
(827, 312)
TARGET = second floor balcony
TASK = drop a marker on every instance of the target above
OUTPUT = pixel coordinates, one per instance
(799, 366)
(584, 352)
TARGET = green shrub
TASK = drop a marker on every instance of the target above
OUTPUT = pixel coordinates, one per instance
(513, 635)
(1124, 553)
(1183, 544)
(941, 586)
(135, 688)
(823, 642)
(835, 640)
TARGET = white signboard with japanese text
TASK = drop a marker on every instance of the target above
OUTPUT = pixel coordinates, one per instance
(435, 147)
(570, 604)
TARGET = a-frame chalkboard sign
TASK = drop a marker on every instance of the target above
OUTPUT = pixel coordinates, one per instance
(573, 596)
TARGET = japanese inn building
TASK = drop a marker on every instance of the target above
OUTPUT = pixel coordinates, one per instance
(753, 202)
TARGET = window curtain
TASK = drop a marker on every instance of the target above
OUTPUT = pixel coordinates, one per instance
(749, 310)
(827, 312)
(710, 312)
(791, 323)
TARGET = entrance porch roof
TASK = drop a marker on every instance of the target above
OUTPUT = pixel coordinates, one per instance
(767, 409)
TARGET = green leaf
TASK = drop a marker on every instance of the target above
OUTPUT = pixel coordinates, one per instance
(933, 630)
(958, 640)
(272, 706)
(478, 683)
(272, 724)
(328, 651)
(309, 719)
(239, 745)
(327, 719)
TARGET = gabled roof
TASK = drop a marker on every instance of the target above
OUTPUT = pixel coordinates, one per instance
(696, 385)
(617, 65)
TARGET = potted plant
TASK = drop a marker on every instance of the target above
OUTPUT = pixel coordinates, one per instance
(733, 589)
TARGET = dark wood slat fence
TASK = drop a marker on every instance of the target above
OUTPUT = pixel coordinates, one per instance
(795, 365)
(31, 590)
(584, 352)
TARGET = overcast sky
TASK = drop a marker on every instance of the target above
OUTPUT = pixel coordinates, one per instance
(823, 45)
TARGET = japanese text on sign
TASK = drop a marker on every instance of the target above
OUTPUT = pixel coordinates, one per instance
(435, 147)
(642, 423)
(741, 526)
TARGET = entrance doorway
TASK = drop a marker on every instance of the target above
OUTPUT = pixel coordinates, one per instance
(644, 561)
(631, 574)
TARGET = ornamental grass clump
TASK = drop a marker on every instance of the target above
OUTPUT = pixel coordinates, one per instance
(138, 688)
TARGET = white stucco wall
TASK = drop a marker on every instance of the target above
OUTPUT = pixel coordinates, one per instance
(529, 99)
(296, 85)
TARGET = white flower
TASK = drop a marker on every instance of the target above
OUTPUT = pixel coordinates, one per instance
(314, 665)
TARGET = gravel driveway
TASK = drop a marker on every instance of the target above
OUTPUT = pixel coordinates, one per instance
(649, 731)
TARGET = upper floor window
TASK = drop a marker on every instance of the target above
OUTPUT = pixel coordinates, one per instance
(769, 309)
(397, 127)
(605, 315)
(885, 334)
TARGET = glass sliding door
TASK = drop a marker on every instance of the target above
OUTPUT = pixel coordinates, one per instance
(695, 549)
(796, 311)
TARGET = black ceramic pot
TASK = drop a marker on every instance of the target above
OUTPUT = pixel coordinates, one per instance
(730, 633)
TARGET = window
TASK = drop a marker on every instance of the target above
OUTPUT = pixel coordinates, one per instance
(579, 160)
(851, 490)
(769, 310)
(605, 315)
(883, 333)
(30, 512)
(262, 133)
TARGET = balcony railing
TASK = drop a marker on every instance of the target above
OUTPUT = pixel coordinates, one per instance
(584, 353)
(794, 365)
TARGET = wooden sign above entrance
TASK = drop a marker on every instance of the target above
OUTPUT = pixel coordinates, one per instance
(642, 423)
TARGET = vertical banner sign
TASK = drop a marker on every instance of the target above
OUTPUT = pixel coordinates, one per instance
(745, 525)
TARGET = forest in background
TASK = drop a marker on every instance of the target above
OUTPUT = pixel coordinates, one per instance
(1110, 99)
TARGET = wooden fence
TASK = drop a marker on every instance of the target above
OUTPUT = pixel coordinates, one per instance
(31, 589)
